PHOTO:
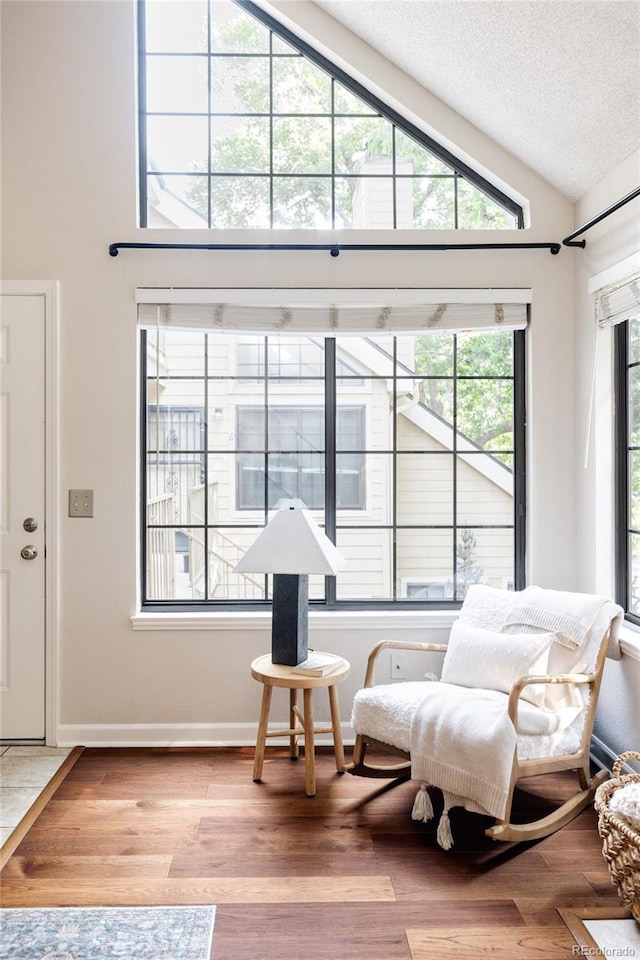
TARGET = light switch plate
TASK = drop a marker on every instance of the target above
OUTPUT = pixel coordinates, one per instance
(80, 503)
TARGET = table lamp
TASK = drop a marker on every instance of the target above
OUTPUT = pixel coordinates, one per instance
(291, 547)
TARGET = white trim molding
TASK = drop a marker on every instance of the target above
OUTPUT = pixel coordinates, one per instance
(318, 621)
(630, 642)
(178, 735)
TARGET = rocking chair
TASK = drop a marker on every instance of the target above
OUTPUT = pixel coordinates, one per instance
(516, 698)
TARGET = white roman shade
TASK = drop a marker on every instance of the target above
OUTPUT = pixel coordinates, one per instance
(333, 312)
(618, 302)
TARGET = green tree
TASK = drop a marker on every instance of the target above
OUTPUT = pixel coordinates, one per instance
(302, 145)
(484, 403)
(468, 570)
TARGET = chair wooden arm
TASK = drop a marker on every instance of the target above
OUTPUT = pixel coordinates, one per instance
(397, 645)
(523, 682)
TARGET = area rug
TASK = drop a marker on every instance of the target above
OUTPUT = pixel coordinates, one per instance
(106, 933)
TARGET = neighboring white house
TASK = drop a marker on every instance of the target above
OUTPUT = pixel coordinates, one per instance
(368, 394)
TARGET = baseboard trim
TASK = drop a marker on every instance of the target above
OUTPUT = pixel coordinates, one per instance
(223, 735)
(178, 735)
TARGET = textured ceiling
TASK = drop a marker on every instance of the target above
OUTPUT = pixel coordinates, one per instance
(555, 82)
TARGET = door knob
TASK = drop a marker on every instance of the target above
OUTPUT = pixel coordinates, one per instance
(29, 552)
(30, 524)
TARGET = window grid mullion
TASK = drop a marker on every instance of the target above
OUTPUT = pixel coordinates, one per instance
(265, 430)
(209, 120)
(330, 463)
(456, 181)
(266, 448)
(144, 485)
(142, 116)
(271, 181)
(333, 152)
(394, 474)
(519, 461)
(622, 526)
(331, 455)
(206, 466)
(394, 181)
(454, 471)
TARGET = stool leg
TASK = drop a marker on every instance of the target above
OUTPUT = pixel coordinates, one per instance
(309, 744)
(262, 732)
(338, 749)
(294, 751)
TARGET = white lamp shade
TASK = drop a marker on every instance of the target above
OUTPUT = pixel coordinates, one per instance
(292, 542)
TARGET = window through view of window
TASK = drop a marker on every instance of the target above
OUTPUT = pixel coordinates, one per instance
(405, 449)
(240, 129)
(408, 449)
(628, 430)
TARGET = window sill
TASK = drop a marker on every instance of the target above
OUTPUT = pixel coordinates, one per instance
(318, 620)
(630, 641)
(332, 620)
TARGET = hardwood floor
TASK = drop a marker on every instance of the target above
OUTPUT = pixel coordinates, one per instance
(346, 875)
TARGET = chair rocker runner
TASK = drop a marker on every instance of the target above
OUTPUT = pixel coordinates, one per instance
(516, 698)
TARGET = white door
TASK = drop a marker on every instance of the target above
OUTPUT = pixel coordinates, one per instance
(22, 519)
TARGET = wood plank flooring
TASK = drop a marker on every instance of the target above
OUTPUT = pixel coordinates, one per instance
(346, 875)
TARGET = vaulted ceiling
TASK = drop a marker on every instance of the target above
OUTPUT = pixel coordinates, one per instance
(555, 82)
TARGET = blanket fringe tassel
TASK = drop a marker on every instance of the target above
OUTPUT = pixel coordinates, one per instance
(422, 806)
(444, 835)
(423, 810)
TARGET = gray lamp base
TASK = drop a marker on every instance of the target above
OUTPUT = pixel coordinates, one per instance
(290, 618)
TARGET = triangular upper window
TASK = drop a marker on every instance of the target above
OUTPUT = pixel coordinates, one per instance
(245, 126)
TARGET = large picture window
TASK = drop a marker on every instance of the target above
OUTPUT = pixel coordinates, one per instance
(618, 306)
(627, 351)
(408, 449)
(243, 125)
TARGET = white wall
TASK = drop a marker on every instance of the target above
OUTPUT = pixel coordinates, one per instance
(610, 245)
(68, 190)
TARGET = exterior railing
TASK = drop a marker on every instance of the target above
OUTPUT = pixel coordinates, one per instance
(160, 548)
(221, 551)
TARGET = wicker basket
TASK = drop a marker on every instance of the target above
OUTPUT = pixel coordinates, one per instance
(620, 842)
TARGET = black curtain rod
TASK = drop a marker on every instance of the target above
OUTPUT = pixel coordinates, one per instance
(333, 248)
(570, 240)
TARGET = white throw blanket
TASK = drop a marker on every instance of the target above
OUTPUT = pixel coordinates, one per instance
(462, 739)
(463, 742)
(471, 745)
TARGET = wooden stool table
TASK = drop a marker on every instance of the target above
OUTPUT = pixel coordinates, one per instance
(301, 722)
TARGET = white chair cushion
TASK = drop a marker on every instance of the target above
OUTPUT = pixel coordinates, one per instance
(385, 712)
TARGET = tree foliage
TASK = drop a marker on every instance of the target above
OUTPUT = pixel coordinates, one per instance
(483, 365)
(468, 570)
(294, 133)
